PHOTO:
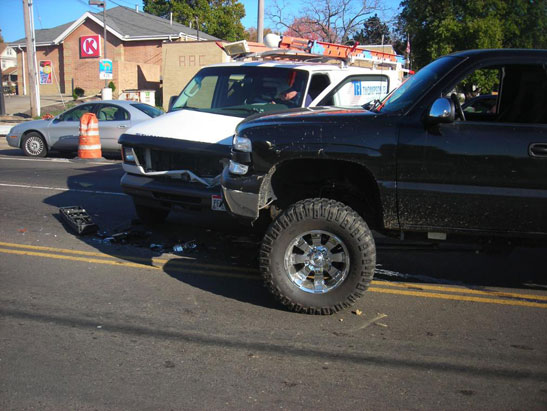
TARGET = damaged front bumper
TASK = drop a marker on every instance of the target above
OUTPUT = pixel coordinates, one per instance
(162, 172)
(165, 194)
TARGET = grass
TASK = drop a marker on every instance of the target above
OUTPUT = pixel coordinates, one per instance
(55, 109)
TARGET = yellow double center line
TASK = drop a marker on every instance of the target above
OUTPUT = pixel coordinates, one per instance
(186, 265)
(178, 263)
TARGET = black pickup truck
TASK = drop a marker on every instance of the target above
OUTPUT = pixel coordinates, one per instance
(416, 163)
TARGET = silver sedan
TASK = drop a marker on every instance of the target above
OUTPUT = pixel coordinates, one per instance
(61, 133)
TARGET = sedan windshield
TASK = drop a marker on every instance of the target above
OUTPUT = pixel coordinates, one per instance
(243, 90)
(414, 87)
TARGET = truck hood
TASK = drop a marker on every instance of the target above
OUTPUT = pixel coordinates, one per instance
(305, 115)
(189, 125)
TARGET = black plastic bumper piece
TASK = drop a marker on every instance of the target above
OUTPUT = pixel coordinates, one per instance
(241, 194)
(78, 220)
(164, 194)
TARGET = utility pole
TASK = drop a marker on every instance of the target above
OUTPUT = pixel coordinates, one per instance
(102, 3)
(31, 59)
(2, 102)
(260, 22)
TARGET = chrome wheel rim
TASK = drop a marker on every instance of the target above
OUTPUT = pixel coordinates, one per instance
(317, 261)
(34, 145)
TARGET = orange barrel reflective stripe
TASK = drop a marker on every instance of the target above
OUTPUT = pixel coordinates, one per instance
(90, 142)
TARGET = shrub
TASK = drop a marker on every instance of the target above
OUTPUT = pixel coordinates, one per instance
(78, 92)
(112, 86)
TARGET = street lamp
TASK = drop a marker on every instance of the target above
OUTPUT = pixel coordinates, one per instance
(102, 3)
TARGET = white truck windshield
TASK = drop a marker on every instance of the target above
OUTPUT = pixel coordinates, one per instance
(243, 90)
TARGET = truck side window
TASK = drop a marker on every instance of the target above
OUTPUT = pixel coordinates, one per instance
(319, 82)
(514, 93)
(355, 91)
(524, 94)
(478, 94)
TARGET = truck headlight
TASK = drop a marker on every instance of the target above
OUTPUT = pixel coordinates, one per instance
(237, 168)
(129, 155)
(242, 144)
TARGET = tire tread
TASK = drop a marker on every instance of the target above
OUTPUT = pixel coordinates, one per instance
(332, 211)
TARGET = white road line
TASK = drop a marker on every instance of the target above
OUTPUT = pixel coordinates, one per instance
(57, 160)
(54, 160)
(63, 189)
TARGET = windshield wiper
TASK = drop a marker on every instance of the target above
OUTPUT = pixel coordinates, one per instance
(246, 109)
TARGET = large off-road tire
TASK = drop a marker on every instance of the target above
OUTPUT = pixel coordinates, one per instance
(151, 215)
(34, 145)
(318, 256)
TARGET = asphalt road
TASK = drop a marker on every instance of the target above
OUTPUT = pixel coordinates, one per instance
(90, 324)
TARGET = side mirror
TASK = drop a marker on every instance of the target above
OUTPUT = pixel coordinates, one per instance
(442, 111)
(172, 100)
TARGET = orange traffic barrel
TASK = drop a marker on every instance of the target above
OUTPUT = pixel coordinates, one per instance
(90, 143)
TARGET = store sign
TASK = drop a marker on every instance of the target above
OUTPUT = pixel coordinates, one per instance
(105, 69)
(46, 70)
(90, 46)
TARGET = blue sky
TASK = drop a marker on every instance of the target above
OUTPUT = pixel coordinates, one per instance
(51, 13)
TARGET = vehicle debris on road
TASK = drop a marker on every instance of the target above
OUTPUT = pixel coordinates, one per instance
(78, 220)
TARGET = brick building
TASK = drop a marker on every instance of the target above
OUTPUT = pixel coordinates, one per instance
(134, 44)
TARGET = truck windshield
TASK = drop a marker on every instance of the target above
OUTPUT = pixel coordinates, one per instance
(243, 90)
(415, 87)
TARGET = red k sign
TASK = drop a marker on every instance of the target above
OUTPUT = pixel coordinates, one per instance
(90, 46)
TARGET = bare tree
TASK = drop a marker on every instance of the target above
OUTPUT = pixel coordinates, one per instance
(331, 20)
(251, 33)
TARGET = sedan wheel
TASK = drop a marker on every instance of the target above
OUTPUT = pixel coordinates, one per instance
(34, 145)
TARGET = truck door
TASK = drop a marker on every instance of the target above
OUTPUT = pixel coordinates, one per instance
(487, 170)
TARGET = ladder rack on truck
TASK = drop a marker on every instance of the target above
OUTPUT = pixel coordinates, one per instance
(300, 49)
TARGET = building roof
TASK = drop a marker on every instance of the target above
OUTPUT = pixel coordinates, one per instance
(9, 70)
(125, 23)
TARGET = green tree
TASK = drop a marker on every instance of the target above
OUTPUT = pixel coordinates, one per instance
(219, 18)
(439, 27)
(372, 32)
(525, 24)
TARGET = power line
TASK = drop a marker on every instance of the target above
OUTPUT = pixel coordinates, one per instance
(39, 17)
(93, 8)
(126, 2)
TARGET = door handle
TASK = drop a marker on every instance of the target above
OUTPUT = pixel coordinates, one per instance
(538, 150)
(122, 126)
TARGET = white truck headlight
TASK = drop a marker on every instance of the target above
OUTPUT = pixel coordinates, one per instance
(242, 144)
(129, 155)
(237, 168)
